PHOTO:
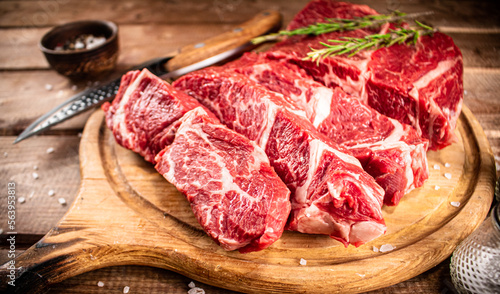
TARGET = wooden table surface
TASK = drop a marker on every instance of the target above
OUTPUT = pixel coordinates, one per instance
(46, 168)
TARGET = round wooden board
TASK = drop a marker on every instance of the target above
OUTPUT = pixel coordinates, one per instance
(127, 214)
(424, 228)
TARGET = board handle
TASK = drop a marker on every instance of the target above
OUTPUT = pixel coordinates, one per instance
(265, 22)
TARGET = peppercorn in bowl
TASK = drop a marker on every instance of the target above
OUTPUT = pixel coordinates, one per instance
(82, 49)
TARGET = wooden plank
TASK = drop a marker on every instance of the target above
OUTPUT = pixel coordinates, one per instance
(481, 95)
(56, 170)
(138, 43)
(48, 13)
(26, 95)
(137, 278)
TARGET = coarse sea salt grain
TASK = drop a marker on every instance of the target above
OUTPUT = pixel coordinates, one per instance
(437, 187)
(375, 249)
(455, 203)
(35, 175)
(447, 164)
(191, 285)
(5, 154)
(51, 193)
(48, 87)
(62, 201)
(21, 199)
(196, 290)
(100, 284)
(448, 176)
(386, 248)
(50, 150)
(361, 275)
(35, 167)
(436, 166)
(126, 289)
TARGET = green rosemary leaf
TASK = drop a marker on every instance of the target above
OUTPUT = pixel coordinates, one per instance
(352, 46)
(337, 24)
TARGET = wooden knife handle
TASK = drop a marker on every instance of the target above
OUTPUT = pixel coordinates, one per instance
(265, 22)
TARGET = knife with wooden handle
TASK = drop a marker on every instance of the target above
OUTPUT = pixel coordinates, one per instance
(215, 50)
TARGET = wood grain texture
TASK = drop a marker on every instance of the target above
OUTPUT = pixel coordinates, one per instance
(56, 171)
(39, 14)
(126, 213)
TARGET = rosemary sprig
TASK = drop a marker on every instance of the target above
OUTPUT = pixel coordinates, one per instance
(352, 46)
(340, 24)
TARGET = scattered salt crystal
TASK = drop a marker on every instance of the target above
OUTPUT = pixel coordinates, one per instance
(79, 135)
(1, 231)
(191, 285)
(21, 199)
(51, 193)
(303, 261)
(79, 45)
(465, 92)
(386, 248)
(35, 167)
(196, 290)
(308, 214)
(35, 175)
(74, 87)
(48, 87)
(50, 150)
(455, 203)
(361, 275)
(436, 166)
(375, 249)
(126, 289)
(447, 164)
(448, 176)
(62, 201)
(100, 284)
(31, 194)
(5, 154)
(437, 187)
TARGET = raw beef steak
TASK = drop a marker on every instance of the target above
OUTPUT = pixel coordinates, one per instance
(331, 194)
(393, 153)
(143, 113)
(420, 85)
(235, 194)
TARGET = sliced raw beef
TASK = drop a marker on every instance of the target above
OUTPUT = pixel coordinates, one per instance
(143, 113)
(420, 85)
(393, 153)
(331, 194)
(235, 194)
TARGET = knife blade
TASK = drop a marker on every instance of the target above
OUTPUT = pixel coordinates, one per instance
(212, 51)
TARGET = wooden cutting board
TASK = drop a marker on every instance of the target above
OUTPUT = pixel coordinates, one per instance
(127, 214)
